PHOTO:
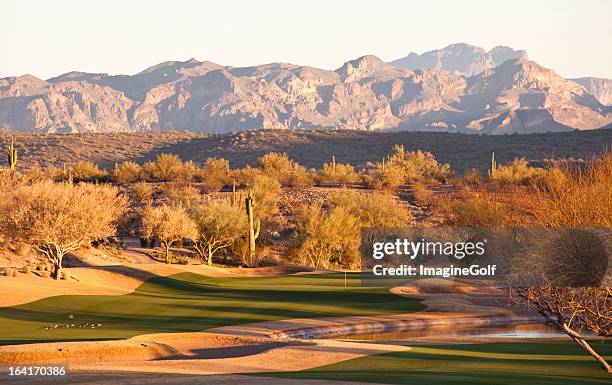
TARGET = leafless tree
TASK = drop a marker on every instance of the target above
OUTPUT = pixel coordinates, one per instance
(573, 310)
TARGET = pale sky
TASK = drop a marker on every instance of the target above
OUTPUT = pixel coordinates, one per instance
(48, 38)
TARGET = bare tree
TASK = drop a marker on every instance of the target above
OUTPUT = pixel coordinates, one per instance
(169, 224)
(573, 310)
(57, 218)
(219, 225)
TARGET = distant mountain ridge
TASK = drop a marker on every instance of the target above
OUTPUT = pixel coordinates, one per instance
(464, 58)
(509, 95)
(599, 87)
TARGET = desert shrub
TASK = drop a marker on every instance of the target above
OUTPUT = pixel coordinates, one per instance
(342, 174)
(245, 176)
(143, 191)
(384, 177)
(215, 174)
(286, 171)
(187, 172)
(127, 172)
(517, 171)
(178, 193)
(54, 173)
(479, 212)
(266, 194)
(421, 194)
(419, 165)
(168, 223)
(326, 238)
(56, 218)
(299, 177)
(275, 164)
(473, 177)
(87, 170)
(219, 225)
(36, 174)
(372, 210)
(10, 179)
(165, 168)
(575, 199)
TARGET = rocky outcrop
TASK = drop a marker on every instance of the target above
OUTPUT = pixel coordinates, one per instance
(463, 58)
(517, 96)
(601, 88)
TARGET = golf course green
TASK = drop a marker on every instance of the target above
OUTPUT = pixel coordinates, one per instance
(533, 363)
(192, 302)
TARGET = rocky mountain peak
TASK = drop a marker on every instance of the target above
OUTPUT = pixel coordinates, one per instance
(366, 66)
(21, 85)
(463, 58)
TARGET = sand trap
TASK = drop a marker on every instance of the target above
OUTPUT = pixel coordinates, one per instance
(147, 347)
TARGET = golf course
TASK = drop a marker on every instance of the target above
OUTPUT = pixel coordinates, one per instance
(192, 302)
(558, 363)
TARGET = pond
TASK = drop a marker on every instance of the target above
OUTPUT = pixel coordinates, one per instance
(509, 330)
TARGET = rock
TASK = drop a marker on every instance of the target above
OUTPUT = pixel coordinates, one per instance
(599, 87)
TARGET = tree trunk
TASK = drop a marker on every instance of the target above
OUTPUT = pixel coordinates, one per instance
(600, 360)
(585, 345)
(57, 262)
(58, 271)
(210, 255)
(167, 246)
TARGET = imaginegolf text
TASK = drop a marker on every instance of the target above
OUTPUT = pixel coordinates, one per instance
(424, 271)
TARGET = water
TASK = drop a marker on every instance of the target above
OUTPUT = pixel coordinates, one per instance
(510, 331)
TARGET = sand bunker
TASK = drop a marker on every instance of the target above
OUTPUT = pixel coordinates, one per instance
(148, 347)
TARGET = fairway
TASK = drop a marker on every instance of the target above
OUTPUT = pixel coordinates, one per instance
(193, 302)
(499, 363)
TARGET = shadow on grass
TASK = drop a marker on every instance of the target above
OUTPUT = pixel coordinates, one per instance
(192, 302)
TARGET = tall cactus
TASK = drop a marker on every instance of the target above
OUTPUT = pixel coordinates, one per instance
(493, 165)
(12, 155)
(334, 163)
(254, 226)
(234, 201)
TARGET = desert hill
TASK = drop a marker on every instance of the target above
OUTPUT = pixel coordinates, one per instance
(310, 148)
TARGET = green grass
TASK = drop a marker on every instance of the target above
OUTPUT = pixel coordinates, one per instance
(192, 302)
(470, 364)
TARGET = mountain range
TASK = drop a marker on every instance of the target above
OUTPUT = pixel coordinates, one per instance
(460, 88)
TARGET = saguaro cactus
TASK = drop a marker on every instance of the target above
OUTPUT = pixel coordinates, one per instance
(12, 155)
(334, 163)
(493, 165)
(254, 226)
(234, 202)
